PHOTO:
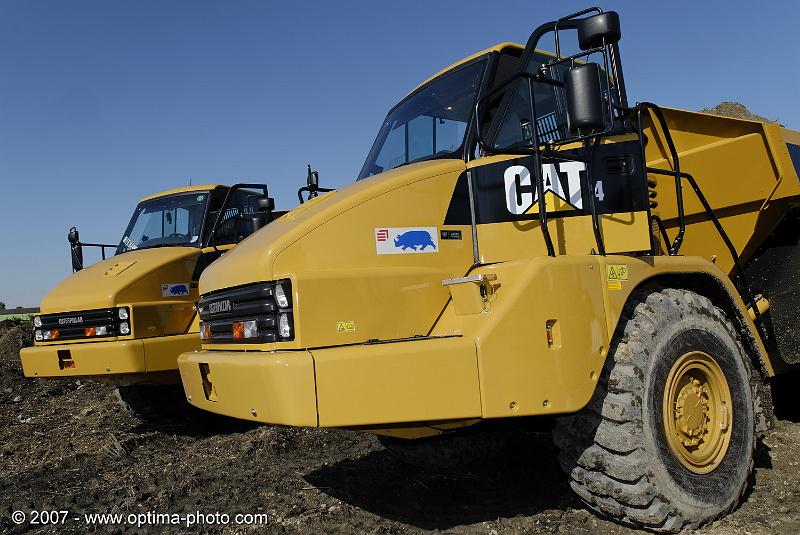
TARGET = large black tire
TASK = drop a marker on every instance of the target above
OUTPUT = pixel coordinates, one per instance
(616, 451)
(157, 403)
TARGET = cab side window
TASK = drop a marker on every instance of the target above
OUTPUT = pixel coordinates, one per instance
(235, 224)
(516, 127)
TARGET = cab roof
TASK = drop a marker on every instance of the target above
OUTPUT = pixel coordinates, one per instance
(185, 189)
(496, 48)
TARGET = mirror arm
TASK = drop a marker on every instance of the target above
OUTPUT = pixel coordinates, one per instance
(573, 57)
(76, 248)
(312, 192)
(300, 194)
(536, 36)
(568, 18)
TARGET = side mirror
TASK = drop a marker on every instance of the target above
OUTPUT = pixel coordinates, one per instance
(593, 30)
(313, 179)
(312, 186)
(586, 111)
(75, 249)
(266, 204)
(259, 220)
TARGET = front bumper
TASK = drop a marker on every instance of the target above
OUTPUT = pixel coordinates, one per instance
(276, 387)
(107, 358)
(347, 386)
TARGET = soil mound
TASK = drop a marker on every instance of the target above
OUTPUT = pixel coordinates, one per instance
(736, 111)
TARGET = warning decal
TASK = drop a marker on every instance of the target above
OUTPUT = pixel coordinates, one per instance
(345, 326)
(616, 274)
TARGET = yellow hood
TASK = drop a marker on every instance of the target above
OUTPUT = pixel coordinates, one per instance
(131, 277)
(253, 259)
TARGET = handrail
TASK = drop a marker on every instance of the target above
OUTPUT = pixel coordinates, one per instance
(676, 244)
(679, 175)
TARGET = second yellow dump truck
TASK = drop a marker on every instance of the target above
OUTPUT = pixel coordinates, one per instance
(522, 241)
(126, 318)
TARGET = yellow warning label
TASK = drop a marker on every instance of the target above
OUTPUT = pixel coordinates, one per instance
(614, 285)
(345, 326)
(617, 272)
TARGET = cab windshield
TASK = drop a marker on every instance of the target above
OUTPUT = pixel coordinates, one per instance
(175, 220)
(430, 124)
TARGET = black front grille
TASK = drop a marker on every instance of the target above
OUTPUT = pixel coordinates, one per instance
(255, 302)
(73, 325)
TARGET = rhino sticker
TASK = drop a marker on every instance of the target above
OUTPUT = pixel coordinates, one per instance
(171, 290)
(406, 240)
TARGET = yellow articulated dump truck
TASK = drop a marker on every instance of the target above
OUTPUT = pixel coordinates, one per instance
(523, 242)
(126, 318)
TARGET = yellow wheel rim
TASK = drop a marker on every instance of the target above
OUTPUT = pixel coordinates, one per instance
(697, 412)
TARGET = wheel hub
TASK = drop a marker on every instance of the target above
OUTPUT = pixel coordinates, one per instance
(691, 412)
(696, 408)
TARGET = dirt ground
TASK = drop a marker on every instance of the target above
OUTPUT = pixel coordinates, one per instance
(69, 445)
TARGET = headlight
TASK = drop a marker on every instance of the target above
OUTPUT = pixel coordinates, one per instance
(250, 329)
(38, 336)
(124, 328)
(284, 325)
(37, 321)
(280, 296)
(123, 313)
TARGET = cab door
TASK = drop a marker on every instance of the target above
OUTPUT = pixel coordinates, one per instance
(231, 210)
(506, 197)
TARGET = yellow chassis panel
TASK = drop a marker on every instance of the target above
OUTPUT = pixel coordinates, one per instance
(411, 381)
(265, 387)
(107, 358)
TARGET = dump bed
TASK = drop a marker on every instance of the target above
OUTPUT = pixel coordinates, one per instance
(747, 170)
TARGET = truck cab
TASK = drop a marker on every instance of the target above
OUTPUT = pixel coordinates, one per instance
(125, 319)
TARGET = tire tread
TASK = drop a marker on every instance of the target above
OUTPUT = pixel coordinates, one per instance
(602, 448)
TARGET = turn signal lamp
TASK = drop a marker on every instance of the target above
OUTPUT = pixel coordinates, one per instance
(50, 335)
(205, 331)
(245, 329)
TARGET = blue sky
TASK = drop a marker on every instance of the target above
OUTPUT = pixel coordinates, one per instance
(103, 102)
